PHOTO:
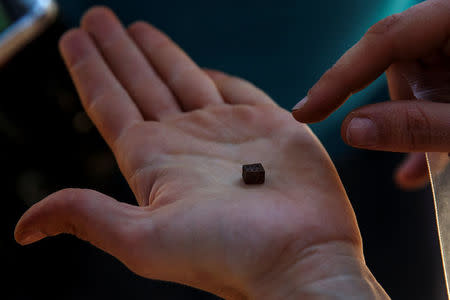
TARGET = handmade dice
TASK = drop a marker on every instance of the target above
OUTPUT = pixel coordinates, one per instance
(253, 174)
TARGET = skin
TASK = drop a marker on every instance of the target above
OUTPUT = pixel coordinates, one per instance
(180, 136)
(413, 49)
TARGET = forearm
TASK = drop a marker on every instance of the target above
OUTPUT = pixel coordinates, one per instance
(329, 271)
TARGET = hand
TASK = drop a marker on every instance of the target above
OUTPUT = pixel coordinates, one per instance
(413, 48)
(180, 136)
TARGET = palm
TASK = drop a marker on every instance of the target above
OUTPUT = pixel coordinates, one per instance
(203, 151)
(182, 153)
(188, 172)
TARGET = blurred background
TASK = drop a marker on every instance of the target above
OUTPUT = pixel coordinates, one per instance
(47, 142)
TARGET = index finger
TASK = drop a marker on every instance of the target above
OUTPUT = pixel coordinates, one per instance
(105, 100)
(407, 36)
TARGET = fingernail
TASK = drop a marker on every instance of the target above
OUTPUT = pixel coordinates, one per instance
(31, 237)
(299, 105)
(362, 132)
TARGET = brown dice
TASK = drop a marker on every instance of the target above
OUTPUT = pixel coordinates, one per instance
(253, 174)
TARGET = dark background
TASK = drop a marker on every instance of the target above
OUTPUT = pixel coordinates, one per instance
(47, 142)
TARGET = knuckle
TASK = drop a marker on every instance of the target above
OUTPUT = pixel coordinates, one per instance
(72, 200)
(385, 26)
(418, 127)
(245, 113)
(442, 5)
(126, 136)
(78, 64)
(97, 96)
(67, 203)
(181, 72)
(200, 117)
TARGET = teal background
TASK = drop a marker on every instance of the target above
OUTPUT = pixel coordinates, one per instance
(281, 46)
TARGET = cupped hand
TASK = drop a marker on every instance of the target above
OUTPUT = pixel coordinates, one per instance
(413, 48)
(180, 135)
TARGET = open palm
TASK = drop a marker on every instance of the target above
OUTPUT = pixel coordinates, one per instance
(180, 135)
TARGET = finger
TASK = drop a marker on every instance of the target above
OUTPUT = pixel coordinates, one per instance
(235, 90)
(400, 126)
(399, 88)
(106, 102)
(104, 222)
(193, 88)
(151, 95)
(413, 172)
(153, 244)
(406, 36)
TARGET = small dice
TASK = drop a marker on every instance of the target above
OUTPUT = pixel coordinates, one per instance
(253, 174)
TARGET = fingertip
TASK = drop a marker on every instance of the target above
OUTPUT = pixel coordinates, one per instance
(65, 39)
(298, 110)
(103, 25)
(305, 115)
(300, 104)
(70, 38)
(315, 107)
(140, 26)
(50, 215)
(324, 97)
(147, 35)
(409, 184)
(22, 232)
(412, 174)
(344, 128)
(215, 75)
(96, 14)
(361, 132)
(297, 116)
(73, 45)
(29, 237)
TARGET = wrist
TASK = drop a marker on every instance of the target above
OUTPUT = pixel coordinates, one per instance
(335, 270)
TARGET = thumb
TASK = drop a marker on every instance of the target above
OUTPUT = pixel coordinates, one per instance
(104, 222)
(399, 126)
